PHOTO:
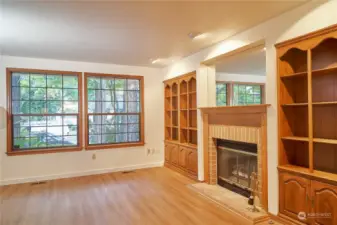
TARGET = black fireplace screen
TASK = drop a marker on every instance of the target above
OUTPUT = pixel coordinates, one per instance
(236, 161)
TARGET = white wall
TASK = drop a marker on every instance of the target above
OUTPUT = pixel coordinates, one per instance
(306, 18)
(230, 77)
(54, 165)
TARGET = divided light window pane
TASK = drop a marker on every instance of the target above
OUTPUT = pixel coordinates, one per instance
(45, 111)
(221, 94)
(246, 94)
(113, 110)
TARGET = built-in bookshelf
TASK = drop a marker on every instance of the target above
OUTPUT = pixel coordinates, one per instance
(307, 109)
(181, 136)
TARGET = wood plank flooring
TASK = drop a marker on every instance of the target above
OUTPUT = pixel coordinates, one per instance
(150, 196)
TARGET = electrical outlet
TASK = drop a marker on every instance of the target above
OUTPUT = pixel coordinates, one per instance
(148, 151)
(93, 156)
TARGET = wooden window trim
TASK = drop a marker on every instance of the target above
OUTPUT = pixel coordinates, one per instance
(10, 151)
(86, 121)
(230, 90)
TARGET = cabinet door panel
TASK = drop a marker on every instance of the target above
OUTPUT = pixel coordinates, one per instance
(192, 161)
(294, 192)
(174, 155)
(182, 157)
(168, 148)
(325, 203)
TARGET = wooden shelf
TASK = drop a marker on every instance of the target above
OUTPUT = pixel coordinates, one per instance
(294, 104)
(182, 94)
(292, 168)
(168, 96)
(193, 109)
(320, 175)
(325, 141)
(294, 138)
(175, 126)
(184, 128)
(295, 75)
(323, 71)
(193, 128)
(324, 103)
(183, 109)
(192, 92)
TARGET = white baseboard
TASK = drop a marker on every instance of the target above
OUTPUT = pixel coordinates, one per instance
(79, 174)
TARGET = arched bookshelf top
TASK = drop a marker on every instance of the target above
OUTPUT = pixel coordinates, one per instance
(294, 61)
(324, 54)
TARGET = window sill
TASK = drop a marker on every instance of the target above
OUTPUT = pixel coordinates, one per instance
(125, 145)
(44, 151)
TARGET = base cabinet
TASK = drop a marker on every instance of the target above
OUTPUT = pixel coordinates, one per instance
(294, 193)
(181, 158)
(324, 199)
(307, 201)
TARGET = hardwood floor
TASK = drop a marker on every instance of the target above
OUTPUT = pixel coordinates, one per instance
(150, 196)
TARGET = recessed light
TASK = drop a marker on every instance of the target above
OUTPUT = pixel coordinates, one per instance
(153, 61)
(264, 49)
(197, 35)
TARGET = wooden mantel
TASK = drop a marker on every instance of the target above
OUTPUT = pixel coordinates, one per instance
(246, 118)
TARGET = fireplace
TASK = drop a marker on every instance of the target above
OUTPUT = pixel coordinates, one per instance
(235, 163)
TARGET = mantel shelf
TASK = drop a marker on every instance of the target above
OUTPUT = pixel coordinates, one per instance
(294, 138)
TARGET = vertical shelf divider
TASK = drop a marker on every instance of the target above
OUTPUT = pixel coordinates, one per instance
(310, 117)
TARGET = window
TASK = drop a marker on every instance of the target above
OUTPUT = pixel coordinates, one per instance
(247, 94)
(44, 111)
(239, 94)
(221, 94)
(114, 111)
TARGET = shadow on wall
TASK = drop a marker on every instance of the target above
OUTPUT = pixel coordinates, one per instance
(2, 118)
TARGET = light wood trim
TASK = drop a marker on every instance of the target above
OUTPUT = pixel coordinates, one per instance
(44, 151)
(240, 108)
(112, 146)
(307, 36)
(310, 116)
(185, 75)
(142, 119)
(245, 48)
(264, 161)
(10, 151)
(205, 146)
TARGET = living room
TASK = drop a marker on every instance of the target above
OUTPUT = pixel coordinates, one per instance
(108, 117)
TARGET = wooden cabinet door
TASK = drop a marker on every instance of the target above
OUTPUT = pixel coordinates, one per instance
(294, 196)
(174, 157)
(192, 161)
(324, 197)
(182, 157)
(168, 148)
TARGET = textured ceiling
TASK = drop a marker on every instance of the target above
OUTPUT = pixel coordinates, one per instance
(129, 33)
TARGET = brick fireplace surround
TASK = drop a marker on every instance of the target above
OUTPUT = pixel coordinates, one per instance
(237, 123)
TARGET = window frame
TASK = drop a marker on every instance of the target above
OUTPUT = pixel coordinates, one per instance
(230, 91)
(141, 141)
(10, 150)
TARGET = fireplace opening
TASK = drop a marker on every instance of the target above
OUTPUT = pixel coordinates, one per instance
(235, 163)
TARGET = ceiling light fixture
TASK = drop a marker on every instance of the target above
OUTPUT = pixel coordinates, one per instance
(197, 35)
(264, 49)
(155, 61)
